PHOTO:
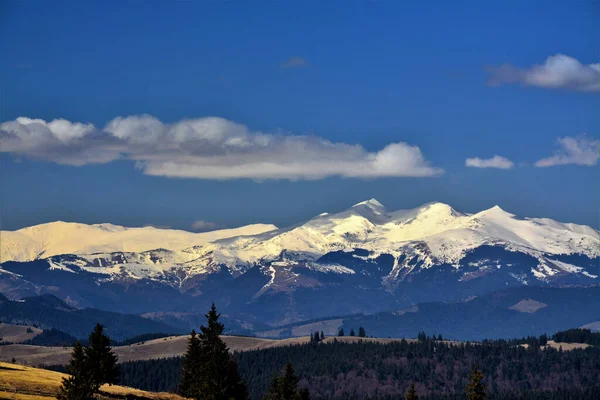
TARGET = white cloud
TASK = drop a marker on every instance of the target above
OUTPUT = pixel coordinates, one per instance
(294, 62)
(557, 72)
(207, 148)
(573, 150)
(204, 226)
(494, 162)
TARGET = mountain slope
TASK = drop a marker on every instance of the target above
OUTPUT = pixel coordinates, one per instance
(48, 311)
(361, 260)
(59, 237)
(502, 314)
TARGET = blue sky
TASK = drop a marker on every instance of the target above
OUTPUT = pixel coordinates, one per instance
(318, 92)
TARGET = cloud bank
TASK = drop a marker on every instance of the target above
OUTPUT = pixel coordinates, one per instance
(558, 72)
(494, 162)
(207, 148)
(573, 150)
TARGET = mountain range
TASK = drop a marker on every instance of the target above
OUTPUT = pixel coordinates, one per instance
(365, 259)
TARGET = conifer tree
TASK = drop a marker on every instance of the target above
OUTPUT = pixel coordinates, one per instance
(78, 385)
(361, 332)
(322, 335)
(189, 385)
(352, 332)
(341, 332)
(285, 387)
(476, 389)
(314, 337)
(411, 394)
(218, 378)
(101, 361)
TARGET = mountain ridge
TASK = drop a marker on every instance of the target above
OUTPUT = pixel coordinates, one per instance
(362, 259)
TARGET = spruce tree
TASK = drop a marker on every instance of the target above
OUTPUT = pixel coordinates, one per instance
(476, 390)
(102, 362)
(322, 335)
(285, 387)
(218, 378)
(352, 332)
(78, 386)
(341, 332)
(361, 332)
(411, 394)
(314, 337)
(189, 385)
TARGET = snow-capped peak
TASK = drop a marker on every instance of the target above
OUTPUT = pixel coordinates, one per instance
(370, 203)
(434, 232)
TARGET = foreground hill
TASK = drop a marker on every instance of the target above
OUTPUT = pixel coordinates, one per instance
(365, 259)
(26, 383)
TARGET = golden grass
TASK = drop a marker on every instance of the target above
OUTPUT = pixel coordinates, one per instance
(27, 383)
(20, 396)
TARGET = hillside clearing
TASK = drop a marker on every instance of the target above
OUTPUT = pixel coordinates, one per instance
(17, 333)
(27, 383)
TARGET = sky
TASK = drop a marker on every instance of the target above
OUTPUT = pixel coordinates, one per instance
(208, 114)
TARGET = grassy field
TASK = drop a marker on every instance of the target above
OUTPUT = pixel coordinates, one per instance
(26, 383)
(17, 333)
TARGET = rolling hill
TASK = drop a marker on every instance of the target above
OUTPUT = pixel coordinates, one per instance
(25, 383)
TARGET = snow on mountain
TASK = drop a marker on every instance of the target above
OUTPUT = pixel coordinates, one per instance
(433, 234)
(59, 237)
(446, 233)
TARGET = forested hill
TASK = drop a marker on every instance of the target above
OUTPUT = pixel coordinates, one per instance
(48, 311)
(385, 371)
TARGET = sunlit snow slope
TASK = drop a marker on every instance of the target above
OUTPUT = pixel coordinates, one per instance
(447, 233)
(430, 235)
(56, 238)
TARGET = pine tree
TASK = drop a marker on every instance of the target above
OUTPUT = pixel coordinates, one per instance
(322, 335)
(352, 332)
(285, 387)
(361, 332)
(411, 394)
(341, 332)
(476, 390)
(78, 385)
(102, 362)
(189, 385)
(218, 378)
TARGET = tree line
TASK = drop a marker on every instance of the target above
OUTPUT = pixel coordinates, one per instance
(361, 332)
(385, 371)
(423, 369)
(578, 336)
